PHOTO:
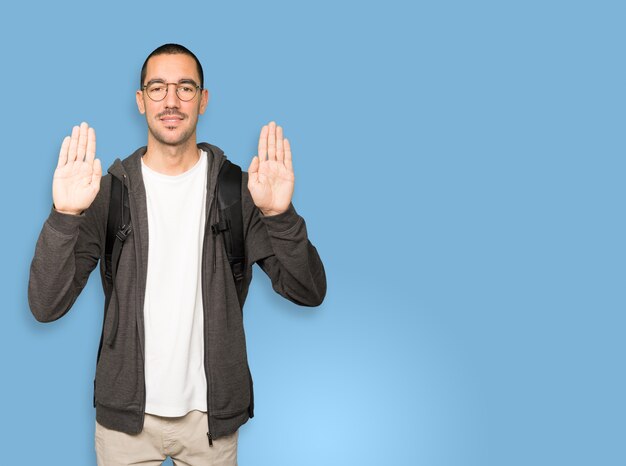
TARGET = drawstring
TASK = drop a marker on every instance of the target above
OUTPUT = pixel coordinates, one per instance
(214, 235)
(115, 316)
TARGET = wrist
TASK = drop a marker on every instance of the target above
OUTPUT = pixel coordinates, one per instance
(270, 213)
(67, 212)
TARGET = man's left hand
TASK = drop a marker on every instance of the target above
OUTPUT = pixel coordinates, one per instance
(270, 175)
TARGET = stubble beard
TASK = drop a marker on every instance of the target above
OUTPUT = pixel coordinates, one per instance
(160, 134)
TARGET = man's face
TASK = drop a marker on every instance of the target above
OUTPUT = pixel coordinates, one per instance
(172, 121)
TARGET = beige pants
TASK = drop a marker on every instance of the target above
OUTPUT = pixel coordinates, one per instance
(183, 438)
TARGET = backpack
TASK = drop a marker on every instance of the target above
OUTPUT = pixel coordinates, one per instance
(230, 224)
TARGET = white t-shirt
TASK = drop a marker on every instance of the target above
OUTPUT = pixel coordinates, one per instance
(173, 315)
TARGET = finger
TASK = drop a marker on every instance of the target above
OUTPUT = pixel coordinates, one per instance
(271, 142)
(280, 154)
(288, 160)
(65, 145)
(82, 141)
(263, 144)
(91, 145)
(71, 156)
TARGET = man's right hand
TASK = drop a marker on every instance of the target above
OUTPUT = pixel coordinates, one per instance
(77, 176)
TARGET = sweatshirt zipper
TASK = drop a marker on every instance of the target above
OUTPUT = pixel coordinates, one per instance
(204, 306)
(139, 309)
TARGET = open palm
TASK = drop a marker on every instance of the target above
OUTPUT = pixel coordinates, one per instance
(270, 175)
(77, 176)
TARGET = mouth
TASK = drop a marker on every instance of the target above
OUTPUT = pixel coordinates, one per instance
(171, 119)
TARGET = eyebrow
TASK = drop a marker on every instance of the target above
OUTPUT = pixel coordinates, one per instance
(180, 81)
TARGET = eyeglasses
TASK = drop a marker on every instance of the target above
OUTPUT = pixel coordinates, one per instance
(157, 90)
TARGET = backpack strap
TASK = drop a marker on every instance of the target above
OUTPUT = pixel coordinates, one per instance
(230, 220)
(118, 229)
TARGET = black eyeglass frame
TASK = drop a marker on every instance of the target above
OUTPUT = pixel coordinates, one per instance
(167, 88)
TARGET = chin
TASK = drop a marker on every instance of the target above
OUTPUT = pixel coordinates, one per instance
(171, 139)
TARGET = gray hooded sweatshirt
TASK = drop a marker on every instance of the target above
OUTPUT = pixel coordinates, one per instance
(70, 246)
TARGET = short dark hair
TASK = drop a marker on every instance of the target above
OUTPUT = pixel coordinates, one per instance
(171, 49)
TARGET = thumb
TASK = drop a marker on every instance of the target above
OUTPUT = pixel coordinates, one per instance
(254, 165)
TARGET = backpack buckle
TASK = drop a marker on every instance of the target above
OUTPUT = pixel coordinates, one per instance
(219, 227)
(238, 271)
(124, 232)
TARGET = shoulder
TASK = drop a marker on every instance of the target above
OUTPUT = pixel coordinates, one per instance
(210, 148)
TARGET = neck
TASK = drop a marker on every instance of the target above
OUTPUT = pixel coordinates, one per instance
(171, 160)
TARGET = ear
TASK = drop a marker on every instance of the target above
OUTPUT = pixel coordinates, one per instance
(204, 101)
(140, 102)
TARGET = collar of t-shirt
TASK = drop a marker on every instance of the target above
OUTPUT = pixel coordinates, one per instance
(174, 178)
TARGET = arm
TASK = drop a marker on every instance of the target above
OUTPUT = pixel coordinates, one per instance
(67, 250)
(68, 247)
(276, 236)
(280, 245)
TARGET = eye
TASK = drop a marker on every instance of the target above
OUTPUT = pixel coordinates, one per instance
(186, 88)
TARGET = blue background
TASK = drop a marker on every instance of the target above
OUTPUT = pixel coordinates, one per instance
(460, 166)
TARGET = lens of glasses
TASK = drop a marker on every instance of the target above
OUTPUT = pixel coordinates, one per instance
(158, 90)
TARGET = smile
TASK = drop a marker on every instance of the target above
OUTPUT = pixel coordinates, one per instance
(171, 122)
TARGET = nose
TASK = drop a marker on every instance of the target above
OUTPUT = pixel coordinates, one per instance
(171, 99)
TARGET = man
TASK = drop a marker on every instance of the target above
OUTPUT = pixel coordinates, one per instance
(172, 377)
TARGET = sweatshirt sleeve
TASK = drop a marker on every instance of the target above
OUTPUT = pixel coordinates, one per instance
(67, 250)
(280, 245)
